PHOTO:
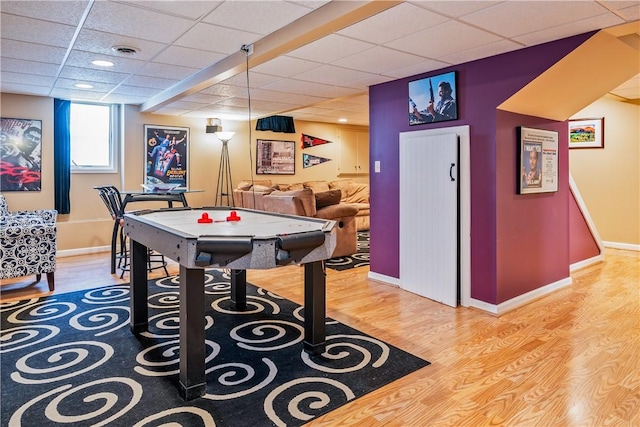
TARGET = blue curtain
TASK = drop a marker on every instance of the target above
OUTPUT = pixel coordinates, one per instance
(276, 124)
(62, 154)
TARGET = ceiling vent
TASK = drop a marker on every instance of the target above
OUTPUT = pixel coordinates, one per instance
(125, 50)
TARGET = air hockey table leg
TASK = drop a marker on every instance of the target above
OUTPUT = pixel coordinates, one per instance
(314, 307)
(239, 289)
(192, 333)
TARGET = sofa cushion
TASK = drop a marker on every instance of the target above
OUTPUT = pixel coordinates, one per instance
(327, 198)
(334, 212)
(261, 189)
(317, 186)
(342, 185)
(356, 193)
(290, 187)
(305, 195)
(247, 184)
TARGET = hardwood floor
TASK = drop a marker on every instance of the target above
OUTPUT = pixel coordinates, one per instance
(568, 359)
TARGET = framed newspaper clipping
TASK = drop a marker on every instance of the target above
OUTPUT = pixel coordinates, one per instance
(538, 161)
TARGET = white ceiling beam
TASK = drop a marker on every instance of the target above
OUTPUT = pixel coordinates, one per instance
(323, 21)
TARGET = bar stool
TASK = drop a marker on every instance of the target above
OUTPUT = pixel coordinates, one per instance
(112, 199)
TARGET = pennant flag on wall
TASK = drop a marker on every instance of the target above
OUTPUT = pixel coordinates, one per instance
(312, 141)
(308, 160)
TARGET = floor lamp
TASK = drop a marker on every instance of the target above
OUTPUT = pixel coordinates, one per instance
(224, 188)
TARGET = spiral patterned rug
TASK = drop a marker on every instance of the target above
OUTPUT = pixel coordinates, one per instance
(359, 259)
(71, 359)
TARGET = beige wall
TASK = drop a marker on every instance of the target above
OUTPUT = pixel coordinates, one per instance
(609, 178)
(88, 227)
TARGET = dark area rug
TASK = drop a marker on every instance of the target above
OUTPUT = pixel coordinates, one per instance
(71, 359)
(359, 259)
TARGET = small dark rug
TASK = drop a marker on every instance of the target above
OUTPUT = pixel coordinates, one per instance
(71, 359)
(359, 259)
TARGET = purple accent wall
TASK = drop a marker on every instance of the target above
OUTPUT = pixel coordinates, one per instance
(532, 229)
(482, 86)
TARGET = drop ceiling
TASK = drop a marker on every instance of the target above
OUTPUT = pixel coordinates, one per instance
(312, 60)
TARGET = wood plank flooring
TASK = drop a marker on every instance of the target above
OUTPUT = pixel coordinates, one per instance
(568, 359)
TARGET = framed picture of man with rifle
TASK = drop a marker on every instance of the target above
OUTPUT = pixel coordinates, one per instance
(433, 99)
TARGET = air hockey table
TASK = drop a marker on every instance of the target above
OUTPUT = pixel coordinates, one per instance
(233, 238)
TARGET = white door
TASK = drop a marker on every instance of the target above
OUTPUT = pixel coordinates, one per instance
(429, 215)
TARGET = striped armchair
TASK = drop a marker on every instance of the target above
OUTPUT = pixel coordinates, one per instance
(27, 243)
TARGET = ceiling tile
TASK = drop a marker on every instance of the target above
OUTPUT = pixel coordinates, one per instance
(22, 78)
(61, 11)
(422, 67)
(31, 52)
(331, 75)
(78, 58)
(484, 51)
(379, 60)
(509, 19)
(285, 66)
(455, 9)
(37, 68)
(216, 39)
(166, 71)
(183, 55)
(120, 18)
(566, 30)
(393, 23)
(459, 37)
(21, 29)
(100, 42)
(93, 75)
(330, 48)
(255, 79)
(25, 89)
(185, 8)
(262, 17)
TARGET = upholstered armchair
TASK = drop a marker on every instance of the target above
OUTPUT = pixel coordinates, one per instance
(27, 243)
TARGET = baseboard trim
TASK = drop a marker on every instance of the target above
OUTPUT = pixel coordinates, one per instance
(387, 280)
(625, 246)
(520, 300)
(82, 251)
(586, 262)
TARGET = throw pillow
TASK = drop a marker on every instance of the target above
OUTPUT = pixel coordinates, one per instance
(342, 184)
(328, 198)
(317, 186)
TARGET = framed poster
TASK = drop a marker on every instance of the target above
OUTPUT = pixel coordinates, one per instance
(424, 107)
(167, 151)
(538, 161)
(20, 154)
(586, 133)
(275, 157)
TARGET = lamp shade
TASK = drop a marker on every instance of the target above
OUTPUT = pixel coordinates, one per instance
(225, 136)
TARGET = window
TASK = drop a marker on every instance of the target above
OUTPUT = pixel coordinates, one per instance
(95, 134)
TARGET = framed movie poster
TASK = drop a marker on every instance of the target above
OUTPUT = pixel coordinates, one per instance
(20, 154)
(433, 99)
(167, 151)
(538, 161)
(275, 157)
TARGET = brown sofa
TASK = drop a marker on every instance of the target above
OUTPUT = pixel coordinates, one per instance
(249, 195)
(315, 199)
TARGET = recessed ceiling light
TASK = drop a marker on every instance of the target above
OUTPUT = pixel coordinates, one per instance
(342, 120)
(101, 63)
(83, 86)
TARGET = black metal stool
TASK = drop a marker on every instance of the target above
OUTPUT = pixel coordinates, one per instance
(112, 199)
